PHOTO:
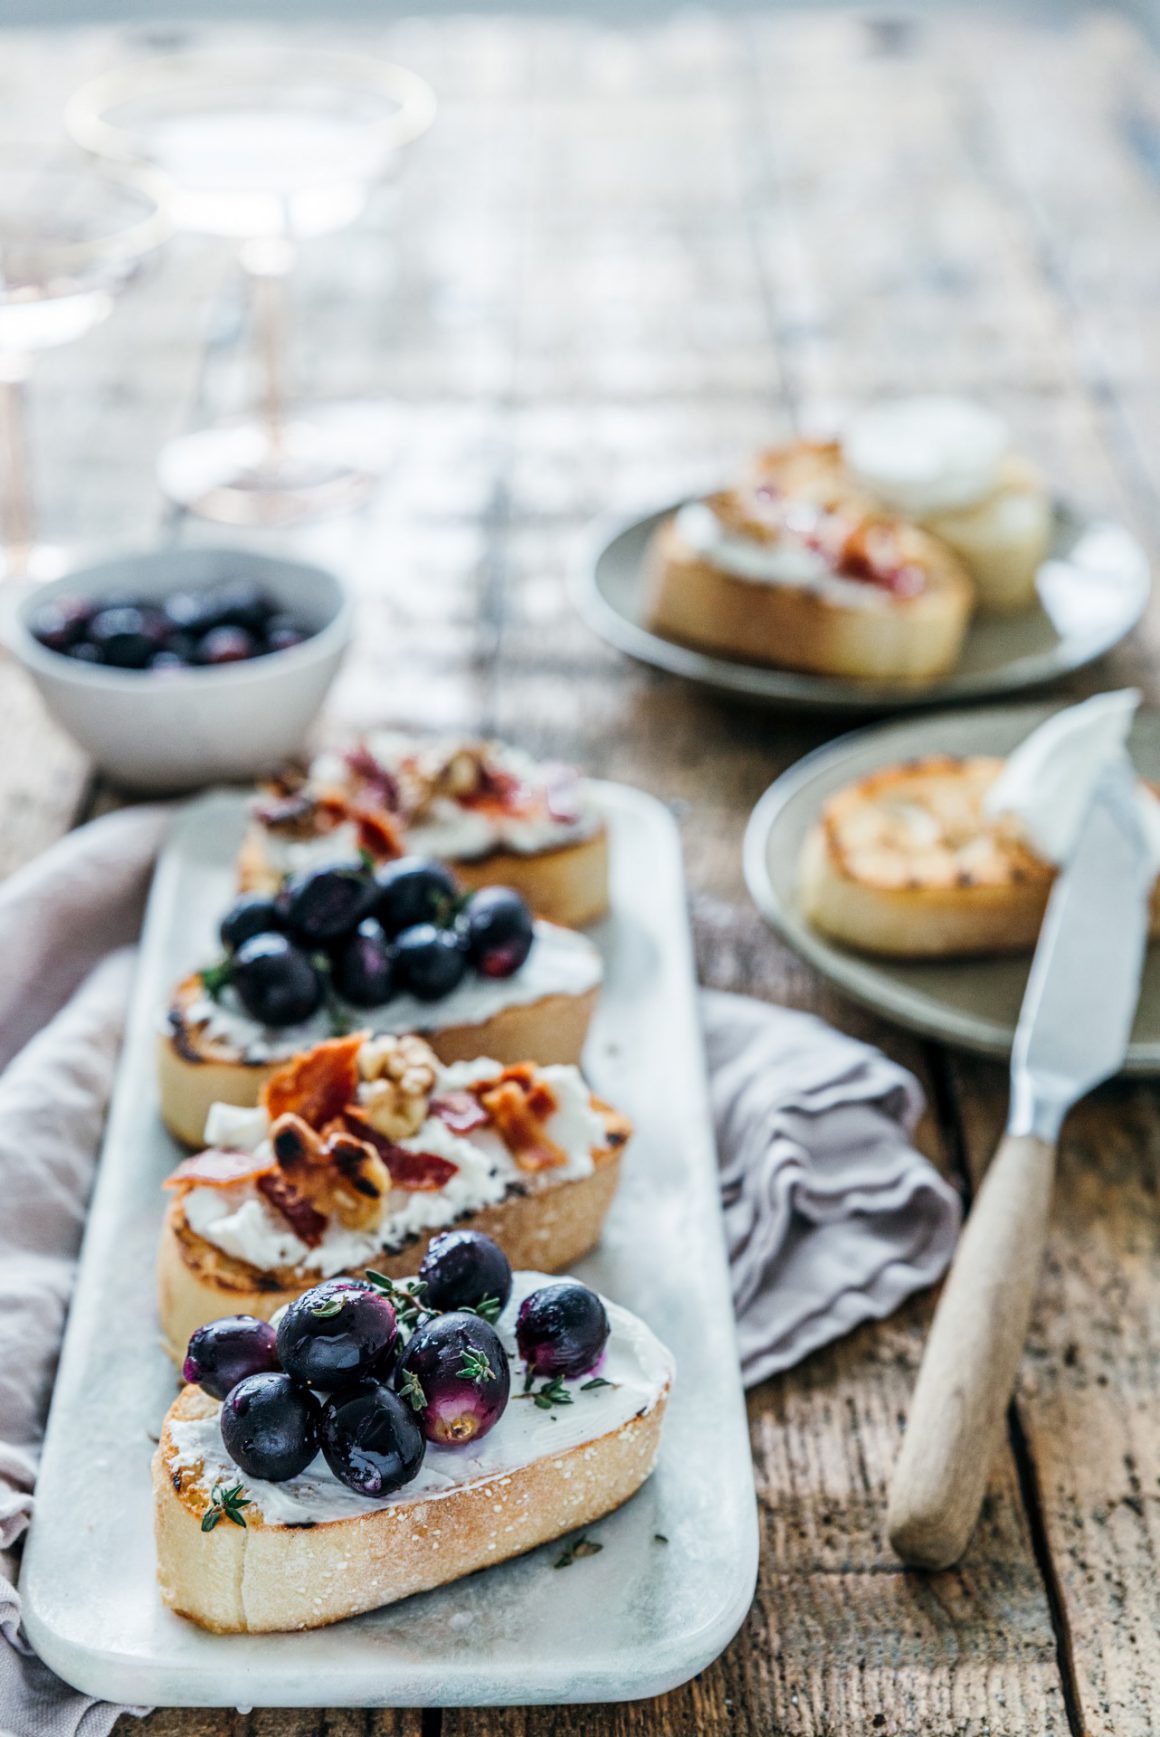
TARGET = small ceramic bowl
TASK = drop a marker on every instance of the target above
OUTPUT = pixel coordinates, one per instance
(179, 729)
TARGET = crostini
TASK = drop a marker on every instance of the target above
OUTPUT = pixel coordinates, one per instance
(798, 569)
(948, 464)
(909, 863)
(400, 949)
(498, 816)
(359, 1152)
(380, 1448)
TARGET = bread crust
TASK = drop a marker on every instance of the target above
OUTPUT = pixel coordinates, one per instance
(269, 1577)
(904, 864)
(195, 1071)
(904, 639)
(567, 884)
(1002, 540)
(545, 1230)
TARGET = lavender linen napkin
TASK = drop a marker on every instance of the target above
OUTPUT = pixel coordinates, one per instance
(832, 1218)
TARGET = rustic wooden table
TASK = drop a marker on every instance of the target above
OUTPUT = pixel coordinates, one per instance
(626, 254)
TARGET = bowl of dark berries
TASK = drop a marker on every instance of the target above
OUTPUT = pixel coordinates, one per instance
(181, 667)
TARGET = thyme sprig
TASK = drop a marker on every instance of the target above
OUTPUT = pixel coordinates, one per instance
(489, 1309)
(328, 1308)
(551, 1394)
(411, 1389)
(215, 978)
(577, 1550)
(225, 1504)
(405, 1299)
(475, 1366)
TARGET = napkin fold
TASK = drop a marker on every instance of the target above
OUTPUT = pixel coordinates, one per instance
(832, 1217)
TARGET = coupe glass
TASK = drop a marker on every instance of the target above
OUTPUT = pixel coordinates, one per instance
(266, 151)
(70, 238)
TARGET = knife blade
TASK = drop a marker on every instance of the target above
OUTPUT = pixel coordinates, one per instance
(1081, 995)
(1073, 1031)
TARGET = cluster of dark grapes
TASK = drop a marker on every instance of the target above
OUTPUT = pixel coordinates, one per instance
(228, 623)
(337, 1375)
(366, 934)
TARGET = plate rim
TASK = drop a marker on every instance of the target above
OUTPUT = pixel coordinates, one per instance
(861, 979)
(796, 690)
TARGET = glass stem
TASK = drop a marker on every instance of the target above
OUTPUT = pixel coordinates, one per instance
(267, 263)
(16, 512)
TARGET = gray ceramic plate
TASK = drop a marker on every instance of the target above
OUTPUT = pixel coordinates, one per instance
(1093, 591)
(973, 1004)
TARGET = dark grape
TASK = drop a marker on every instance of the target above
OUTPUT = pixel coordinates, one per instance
(455, 1375)
(226, 645)
(414, 889)
(364, 965)
(270, 1427)
(323, 904)
(127, 638)
(430, 961)
(337, 1333)
(225, 1351)
(275, 981)
(252, 914)
(462, 1268)
(561, 1329)
(370, 1439)
(499, 931)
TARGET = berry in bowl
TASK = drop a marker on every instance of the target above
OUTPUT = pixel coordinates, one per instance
(178, 667)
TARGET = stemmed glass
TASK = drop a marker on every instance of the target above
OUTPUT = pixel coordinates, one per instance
(71, 237)
(267, 153)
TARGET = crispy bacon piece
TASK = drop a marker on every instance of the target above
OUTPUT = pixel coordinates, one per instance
(304, 1220)
(318, 1085)
(377, 833)
(418, 1172)
(519, 1102)
(368, 771)
(218, 1167)
(459, 1111)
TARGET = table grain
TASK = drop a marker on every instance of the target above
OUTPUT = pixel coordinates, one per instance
(628, 253)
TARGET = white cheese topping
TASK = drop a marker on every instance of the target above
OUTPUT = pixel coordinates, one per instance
(561, 962)
(446, 828)
(922, 456)
(786, 561)
(241, 1223)
(638, 1368)
(1047, 783)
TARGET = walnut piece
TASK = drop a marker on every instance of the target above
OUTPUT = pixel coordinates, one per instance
(398, 1077)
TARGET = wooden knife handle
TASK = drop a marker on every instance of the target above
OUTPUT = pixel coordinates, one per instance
(971, 1358)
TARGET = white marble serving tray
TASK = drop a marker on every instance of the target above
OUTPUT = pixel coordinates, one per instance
(634, 1620)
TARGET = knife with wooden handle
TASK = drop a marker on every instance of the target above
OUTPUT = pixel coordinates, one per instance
(1073, 1031)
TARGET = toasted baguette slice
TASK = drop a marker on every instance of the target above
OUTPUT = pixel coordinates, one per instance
(566, 885)
(905, 863)
(195, 1070)
(880, 637)
(550, 1475)
(547, 1228)
(1004, 539)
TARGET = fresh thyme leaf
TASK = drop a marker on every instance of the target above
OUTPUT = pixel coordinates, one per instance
(225, 1504)
(405, 1299)
(475, 1367)
(596, 1381)
(412, 1391)
(488, 1310)
(659, 1538)
(575, 1552)
(367, 858)
(551, 1394)
(328, 1308)
(529, 1378)
(215, 978)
